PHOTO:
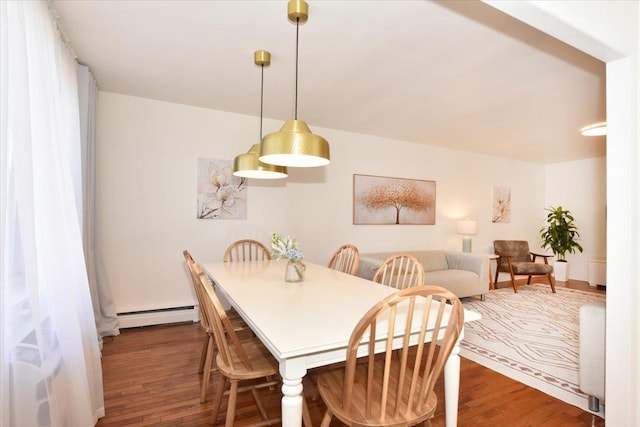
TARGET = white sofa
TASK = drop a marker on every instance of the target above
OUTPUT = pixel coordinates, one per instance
(592, 351)
(464, 274)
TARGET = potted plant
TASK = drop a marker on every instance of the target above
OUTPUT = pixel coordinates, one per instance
(561, 236)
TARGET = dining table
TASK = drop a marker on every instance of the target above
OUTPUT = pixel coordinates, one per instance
(307, 324)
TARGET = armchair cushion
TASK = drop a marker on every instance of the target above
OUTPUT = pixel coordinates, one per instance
(517, 249)
(526, 268)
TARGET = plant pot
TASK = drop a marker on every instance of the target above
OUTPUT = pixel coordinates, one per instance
(561, 271)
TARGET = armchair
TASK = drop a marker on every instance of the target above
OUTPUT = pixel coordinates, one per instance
(515, 258)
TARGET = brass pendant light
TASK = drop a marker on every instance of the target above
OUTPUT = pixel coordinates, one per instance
(294, 145)
(248, 165)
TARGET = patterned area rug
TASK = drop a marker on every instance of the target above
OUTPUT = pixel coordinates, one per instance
(532, 337)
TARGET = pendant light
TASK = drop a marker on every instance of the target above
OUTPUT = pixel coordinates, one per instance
(248, 165)
(294, 145)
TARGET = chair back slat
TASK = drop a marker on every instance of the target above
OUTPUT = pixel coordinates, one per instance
(191, 264)
(400, 271)
(246, 250)
(229, 345)
(346, 259)
(400, 381)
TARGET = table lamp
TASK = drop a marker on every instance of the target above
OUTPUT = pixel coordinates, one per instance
(467, 227)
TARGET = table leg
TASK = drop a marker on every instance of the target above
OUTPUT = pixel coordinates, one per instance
(292, 373)
(452, 386)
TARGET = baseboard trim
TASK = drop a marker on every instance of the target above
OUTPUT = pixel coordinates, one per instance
(162, 316)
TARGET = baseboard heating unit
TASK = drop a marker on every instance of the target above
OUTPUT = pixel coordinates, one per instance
(161, 316)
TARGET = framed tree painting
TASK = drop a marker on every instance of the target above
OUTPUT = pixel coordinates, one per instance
(384, 200)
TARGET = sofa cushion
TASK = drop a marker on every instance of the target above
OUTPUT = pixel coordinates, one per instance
(431, 260)
(457, 281)
(368, 267)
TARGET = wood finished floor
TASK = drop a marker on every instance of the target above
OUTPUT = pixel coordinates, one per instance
(150, 379)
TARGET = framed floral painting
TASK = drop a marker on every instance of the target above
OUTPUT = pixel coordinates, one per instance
(221, 195)
(501, 205)
(383, 200)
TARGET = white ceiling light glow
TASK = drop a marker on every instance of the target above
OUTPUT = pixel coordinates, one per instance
(597, 129)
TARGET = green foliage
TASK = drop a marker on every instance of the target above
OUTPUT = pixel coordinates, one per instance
(560, 234)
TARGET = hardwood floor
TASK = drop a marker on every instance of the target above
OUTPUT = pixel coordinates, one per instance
(151, 379)
(572, 284)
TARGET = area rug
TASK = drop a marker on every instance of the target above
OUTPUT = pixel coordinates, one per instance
(532, 337)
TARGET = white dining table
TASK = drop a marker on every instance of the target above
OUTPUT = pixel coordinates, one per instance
(308, 324)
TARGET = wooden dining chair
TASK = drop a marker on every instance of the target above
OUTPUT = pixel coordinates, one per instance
(246, 361)
(208, 349)
(400, 271)
(246, 250)
(207, 362)
(394, 390)
(346, 259)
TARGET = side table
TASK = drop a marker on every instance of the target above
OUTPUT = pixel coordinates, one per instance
(492, 257)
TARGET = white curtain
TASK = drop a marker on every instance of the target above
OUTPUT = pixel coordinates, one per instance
(50, 373)
(103, 309)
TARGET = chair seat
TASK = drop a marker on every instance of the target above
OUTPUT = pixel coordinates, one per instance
(263, 363)
(331, 385)
(531, 268)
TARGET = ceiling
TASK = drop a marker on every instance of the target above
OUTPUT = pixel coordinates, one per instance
(457, 74)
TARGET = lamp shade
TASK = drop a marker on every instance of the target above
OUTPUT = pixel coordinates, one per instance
(294, 145)
(248, 165)
(468, 226)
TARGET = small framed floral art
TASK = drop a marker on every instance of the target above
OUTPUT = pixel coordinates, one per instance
(501, 205)
(221, 195)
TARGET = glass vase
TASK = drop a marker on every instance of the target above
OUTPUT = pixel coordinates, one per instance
(294, 272)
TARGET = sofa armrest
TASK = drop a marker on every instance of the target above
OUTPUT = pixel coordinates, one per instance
(368, 266)
(592, 350)
(475, 263)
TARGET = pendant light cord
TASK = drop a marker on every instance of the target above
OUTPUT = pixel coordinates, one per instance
(261, 96)
(295, 114)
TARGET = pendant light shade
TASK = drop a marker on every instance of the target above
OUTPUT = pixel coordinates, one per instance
(248, 165)
(294, 145)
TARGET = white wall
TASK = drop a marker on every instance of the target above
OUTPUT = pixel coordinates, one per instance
(580, 186)
(146, 166)
(584, 26)
(147, 153)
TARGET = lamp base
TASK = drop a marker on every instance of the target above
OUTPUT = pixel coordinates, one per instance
(466, 244)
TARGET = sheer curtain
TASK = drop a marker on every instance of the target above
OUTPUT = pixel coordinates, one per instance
(50, 372)
(103, 309)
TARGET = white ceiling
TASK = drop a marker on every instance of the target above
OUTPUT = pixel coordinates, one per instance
(456, 74)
